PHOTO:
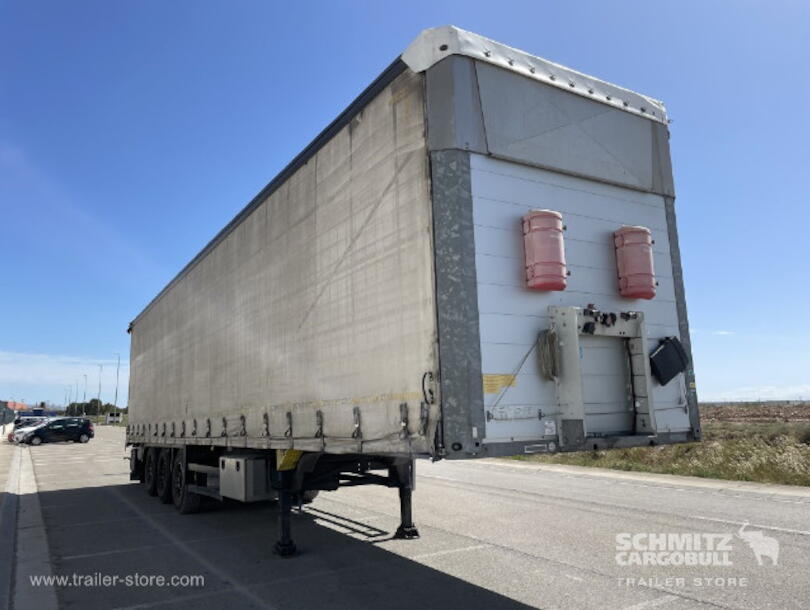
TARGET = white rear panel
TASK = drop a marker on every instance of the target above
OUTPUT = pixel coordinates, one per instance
(512, 315)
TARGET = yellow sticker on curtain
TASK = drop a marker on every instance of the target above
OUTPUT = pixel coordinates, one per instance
(494, 383)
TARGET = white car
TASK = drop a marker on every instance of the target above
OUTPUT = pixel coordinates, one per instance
(21, 433)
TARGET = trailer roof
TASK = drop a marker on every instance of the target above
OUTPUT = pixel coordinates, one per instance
(430, 47)
(434, 44)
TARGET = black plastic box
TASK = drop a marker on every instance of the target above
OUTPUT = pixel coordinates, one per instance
(668, 359)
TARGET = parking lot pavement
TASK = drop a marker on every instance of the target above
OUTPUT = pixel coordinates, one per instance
(493, 536)
(100, 524)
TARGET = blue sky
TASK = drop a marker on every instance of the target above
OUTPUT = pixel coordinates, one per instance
(131, 132)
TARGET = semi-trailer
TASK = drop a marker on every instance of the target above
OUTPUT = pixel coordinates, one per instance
(478, 257)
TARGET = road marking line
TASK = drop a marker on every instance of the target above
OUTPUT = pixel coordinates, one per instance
(464, 549)
(83, 523)
(175, 600)
(80, 460)
(262, 584)
(760, 491)
(532, 555)
(572, 577)
(653, 603)
(147, 547)
(764, 527)
(195, 555)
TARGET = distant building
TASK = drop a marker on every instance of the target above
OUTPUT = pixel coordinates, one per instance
(15, 406)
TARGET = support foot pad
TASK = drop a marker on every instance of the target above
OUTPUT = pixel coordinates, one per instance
(285, 550)
(407, 532)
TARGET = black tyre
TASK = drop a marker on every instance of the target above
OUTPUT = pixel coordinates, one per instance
(150, 471)
(184, 501)
(164, 476)
(35, 440)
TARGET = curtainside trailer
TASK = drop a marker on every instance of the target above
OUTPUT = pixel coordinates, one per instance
(478, 257)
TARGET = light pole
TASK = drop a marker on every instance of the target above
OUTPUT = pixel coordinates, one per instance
(84, 398)
(98, 406)
(117, 370)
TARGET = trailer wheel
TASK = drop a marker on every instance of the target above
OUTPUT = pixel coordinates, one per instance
(184, 501)
(150, 471)
(164, 476)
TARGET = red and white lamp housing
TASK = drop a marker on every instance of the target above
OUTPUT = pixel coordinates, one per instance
(634, 261)
(544, 250)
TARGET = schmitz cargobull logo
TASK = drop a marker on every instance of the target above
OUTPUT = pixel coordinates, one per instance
(674, 549)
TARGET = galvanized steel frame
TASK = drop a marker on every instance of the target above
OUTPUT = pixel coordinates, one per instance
(460, 389)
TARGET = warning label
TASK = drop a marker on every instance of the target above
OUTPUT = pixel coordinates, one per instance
(495, 383)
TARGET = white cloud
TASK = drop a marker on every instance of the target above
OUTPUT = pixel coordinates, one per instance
(764, 392)
(723, 333)
(47, 376)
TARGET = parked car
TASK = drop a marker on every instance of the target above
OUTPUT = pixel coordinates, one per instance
(19, 432)
(25, 423)
(77, 429)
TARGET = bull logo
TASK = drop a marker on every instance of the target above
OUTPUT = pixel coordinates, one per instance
(761, 545)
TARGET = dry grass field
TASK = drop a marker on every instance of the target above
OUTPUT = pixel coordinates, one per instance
(767, 442)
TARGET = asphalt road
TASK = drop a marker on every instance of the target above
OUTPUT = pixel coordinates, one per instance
(494, 535)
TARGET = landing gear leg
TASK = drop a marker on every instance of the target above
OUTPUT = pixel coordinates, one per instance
(285, 546)
(405, 475)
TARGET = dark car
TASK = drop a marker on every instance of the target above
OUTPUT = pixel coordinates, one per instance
(63, 429)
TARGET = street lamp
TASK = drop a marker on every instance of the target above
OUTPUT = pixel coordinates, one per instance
(98, 406)
(117, 370)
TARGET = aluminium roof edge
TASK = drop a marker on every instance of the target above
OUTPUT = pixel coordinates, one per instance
(433, 45)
